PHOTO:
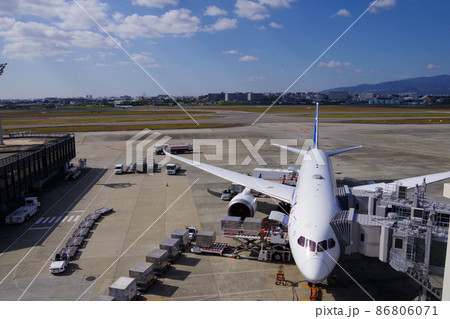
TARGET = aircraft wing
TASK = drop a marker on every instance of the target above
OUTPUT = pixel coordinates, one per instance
(281, 192)
(408, 182)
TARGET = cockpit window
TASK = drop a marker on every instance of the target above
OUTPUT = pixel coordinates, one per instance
(301, 241)
(331, 243)
(322, 246)
(313, 246)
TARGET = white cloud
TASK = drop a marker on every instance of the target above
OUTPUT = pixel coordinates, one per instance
(27, 40)
(334, 64)
(214, 11)
(433, 67)
(75, 18)
(6, 23)
(342, 13)
(176, 22)
(248, 58)
(276, 25)
(256, 78)
(277, 3)
(230, 52)
(223, 24)
(251, 10)
(144, 58)
(31, 39)
(71, 16)
(85, 58)
(155, 3)
(383, 4)
(89, 39)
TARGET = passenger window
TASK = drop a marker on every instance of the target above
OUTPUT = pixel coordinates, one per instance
(312, 245)
(301, 241)
(331, 243)
(322, 246)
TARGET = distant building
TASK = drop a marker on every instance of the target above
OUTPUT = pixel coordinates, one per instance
(255, 97)
(236, 97)
(338, 96)
(216, 96)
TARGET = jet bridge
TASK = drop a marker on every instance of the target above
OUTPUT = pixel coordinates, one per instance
(408, 230)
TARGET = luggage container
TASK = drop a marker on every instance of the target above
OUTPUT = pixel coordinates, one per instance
(159, 258)
(252, 226)
(172, 245)
(123, 289)
(144, 274)
(80, 232)
(104, 210)
(205, 238)
(75, 242)
(86, 224)
(69, 252)
(231, 224)
(94, 217)
(182, 235)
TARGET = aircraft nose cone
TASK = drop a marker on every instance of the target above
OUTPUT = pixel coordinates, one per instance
(315, 270)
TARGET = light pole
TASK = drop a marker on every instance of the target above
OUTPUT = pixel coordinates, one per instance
(2, 68)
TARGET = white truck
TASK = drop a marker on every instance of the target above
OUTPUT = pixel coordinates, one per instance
(141, 165)
(232, 191)
(172, 169)
(59, 265)
(21, 214)
(118, 169)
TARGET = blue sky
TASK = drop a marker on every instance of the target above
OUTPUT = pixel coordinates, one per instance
(194, 47)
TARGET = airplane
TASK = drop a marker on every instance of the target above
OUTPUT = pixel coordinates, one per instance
(313, 204)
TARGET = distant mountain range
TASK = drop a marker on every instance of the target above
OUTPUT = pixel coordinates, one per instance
(436, 85)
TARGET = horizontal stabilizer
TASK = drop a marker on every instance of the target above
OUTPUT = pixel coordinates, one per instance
(407, 182)
(343, 150)
(292, 149)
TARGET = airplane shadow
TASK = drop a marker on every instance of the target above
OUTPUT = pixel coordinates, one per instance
(177, 274)
(161, 289)
(187, 261)
(217, 194)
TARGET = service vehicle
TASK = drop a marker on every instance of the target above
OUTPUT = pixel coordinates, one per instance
(172, 169)
(173, 148)
(231, 191)
(118, 169)
(21, 214)
(59, 265)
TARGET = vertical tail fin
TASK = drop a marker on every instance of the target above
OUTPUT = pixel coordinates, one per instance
(316, 128)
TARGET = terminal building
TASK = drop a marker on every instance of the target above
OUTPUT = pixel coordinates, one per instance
(406, 229)
(27, 161)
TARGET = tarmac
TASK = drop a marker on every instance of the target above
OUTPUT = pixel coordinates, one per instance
(148, 208)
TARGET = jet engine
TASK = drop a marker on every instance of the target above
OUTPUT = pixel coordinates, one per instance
(242, 205)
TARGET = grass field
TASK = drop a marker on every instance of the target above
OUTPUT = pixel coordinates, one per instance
(113, 119)
(69, 121)
(137, 127)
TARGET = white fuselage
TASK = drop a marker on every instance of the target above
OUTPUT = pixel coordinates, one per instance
(314, 245)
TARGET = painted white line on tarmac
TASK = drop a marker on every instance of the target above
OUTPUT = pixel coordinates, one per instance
(51, 207)
(70, 230)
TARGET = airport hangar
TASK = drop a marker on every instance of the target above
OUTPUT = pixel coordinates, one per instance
(27, 161)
